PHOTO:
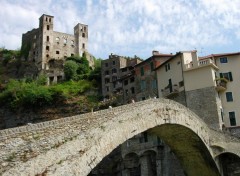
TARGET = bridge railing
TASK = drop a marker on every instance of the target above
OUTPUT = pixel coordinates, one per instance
(6, 133)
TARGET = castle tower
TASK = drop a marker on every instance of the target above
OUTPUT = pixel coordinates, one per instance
(81, 38)
(46, 38)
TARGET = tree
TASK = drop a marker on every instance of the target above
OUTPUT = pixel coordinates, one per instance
(70, 69)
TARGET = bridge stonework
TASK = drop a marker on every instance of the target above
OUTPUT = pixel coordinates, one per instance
(75, 145)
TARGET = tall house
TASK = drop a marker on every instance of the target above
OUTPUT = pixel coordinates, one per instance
(191, 81)
(228, 86)
(112, 72)
(48, 49)
(145, 76)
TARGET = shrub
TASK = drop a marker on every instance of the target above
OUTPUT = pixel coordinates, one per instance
(70, 69)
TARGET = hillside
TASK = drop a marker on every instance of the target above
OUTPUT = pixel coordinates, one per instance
(24, 99)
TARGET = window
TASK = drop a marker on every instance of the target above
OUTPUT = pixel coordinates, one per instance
(107, 80)
(142, 71)
(47, 38)
(152, 66)
(107, 72)
(49, 19)
(114, 70)
(57, 52)
(106, 64)
(113, 62)
(132, 90)
(126, 92)
(83, 45)
(72, 54)
(181, 84)
(232, 118)
(223, 60)
(47, 48)
(132, 79)
(221, 114)
(114, 78)
(143, 85)
(46, 18)
(126, 82)
(47, 56)
(48, 27)
(107, 89)
(83, 35)
(229, 96)
(228, 76)
(167, 67)
(124, 69)
(154, 84)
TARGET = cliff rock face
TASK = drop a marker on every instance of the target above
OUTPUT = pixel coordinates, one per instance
(19, 117)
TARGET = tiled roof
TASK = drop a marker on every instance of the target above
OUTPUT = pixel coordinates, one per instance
(220, 55)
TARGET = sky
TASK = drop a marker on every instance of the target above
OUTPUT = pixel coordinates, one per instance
(131, 27)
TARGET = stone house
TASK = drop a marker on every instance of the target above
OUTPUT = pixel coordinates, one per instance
(145, 76)
(112, 71)
(48, 49)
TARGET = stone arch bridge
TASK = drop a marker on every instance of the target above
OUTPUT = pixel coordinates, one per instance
(75, 145)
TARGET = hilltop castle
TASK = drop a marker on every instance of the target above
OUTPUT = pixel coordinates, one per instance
(48, 49)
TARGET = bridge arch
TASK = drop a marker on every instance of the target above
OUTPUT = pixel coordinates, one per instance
(229, 163)
(165, 118)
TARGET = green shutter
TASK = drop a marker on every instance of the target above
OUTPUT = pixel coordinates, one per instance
(221, 75)
(142, 71)
(230, 76)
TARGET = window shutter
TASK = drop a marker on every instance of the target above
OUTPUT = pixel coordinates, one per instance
(230, 76)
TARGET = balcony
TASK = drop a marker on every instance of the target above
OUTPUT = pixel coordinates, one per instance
(200, 63)
(221, 84)
(170, 91)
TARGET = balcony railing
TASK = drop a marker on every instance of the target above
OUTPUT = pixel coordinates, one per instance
(200, 63)
(221, 84)
(170, 91)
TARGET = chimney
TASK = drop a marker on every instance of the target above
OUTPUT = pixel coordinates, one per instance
(154, 52)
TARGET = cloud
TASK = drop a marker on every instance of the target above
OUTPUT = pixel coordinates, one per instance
(131, 27)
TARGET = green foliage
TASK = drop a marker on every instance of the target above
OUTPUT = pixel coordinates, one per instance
(70, 69)
(25, 50)
(27, 93)
(82, 66)
(41, 80)
(7, 55)
(96, 73)
(71, 88)
(24, 94)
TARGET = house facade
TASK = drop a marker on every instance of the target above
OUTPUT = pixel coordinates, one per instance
(114, 70)
(145, 76)
(205, 85)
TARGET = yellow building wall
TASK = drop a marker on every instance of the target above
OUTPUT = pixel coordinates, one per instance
(233, 65)
(199, 78)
